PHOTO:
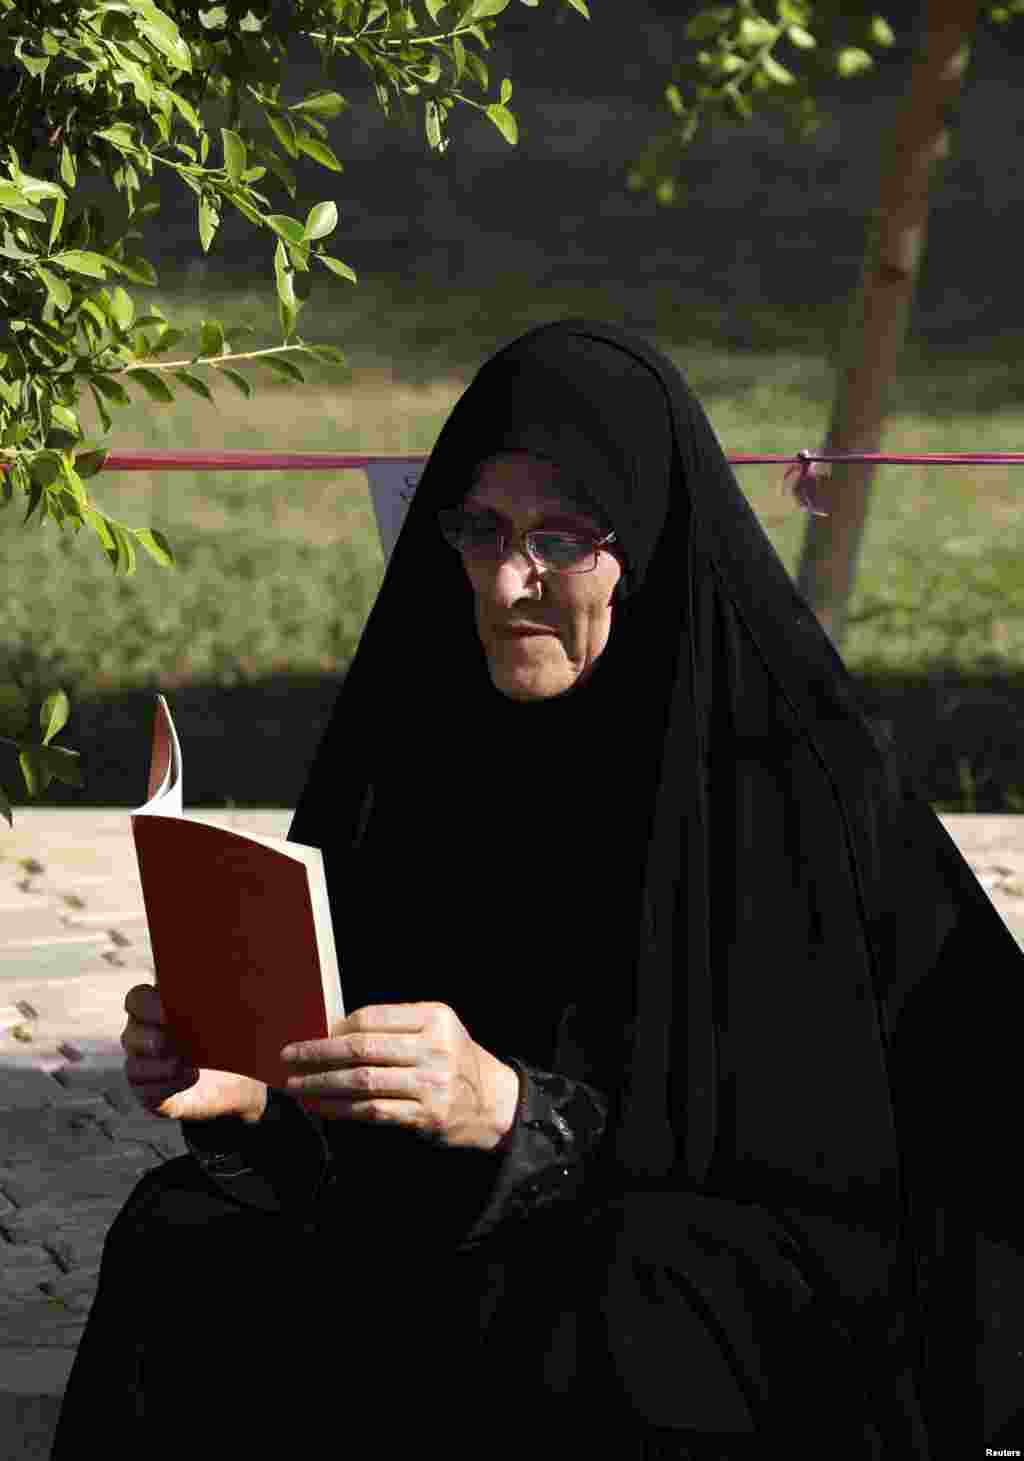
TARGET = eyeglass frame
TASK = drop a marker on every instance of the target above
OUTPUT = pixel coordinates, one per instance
(507, 539)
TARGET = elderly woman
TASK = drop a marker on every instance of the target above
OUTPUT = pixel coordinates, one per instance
(638, 1135)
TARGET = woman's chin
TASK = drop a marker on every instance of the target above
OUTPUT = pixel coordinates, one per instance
(519, 685)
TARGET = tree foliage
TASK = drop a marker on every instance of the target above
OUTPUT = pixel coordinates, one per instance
(746, 62)
(121, 91)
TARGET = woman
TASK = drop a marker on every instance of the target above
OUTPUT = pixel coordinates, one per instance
(648, 890)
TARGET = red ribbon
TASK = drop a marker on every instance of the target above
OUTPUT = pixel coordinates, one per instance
(808, 464)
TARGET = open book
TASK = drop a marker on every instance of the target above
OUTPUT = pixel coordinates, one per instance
(240, 926)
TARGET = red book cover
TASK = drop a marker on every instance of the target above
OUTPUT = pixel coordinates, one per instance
(240, 926)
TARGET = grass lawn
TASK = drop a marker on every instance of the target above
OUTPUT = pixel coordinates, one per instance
(277, 572)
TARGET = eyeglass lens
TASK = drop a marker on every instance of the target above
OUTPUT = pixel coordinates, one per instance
(477, 537)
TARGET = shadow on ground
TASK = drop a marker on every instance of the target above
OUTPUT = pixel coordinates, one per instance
(252, 745)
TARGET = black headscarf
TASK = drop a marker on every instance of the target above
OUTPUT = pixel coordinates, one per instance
(707, 849)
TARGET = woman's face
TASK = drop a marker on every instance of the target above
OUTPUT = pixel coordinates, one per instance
(575, 607)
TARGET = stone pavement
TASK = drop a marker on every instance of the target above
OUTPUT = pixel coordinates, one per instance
(73, 1142)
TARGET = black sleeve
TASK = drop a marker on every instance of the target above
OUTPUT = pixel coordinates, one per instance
(558, 1122)
(279, 1162)
(291, 1157)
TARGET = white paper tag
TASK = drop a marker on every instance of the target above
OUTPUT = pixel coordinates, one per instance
(392, 488)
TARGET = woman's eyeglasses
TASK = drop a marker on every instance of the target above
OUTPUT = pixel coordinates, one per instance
(479, 536)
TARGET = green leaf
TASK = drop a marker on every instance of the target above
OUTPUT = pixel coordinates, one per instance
(504, 121)
(81, 261)
(277, 166)
(801, 37)
(153, 383)
(284, 130)
(60, 762)
(322, 220)
(53, 716)
(12, 201)
(321, 104)
(480, 9)
(35, 497)
(881, 31)
(756, 32)
(73, 486)
(329, 353)
(234, 154)
(283, 274)
(318, 151)
(287, 314)
(506, 90)
(156, 545)
(195, 384)
(33, 771)
(299, 255)
(209, 222)
(284, 368)
(57, 222)
(67, 165)
(581, 6)
(187, 110)
(10, 391)
(91, 309)
(211, 338)
(287, 228)
(36, 188)
(122, 308)
(433, 124)
(214, 19)
(120, 137)
(111, 389)
(246, 209)
(853, 60)
(98, 522)
(87, 464)
(161, 30)
(10, 250)
(170, 337)
(104, 414)
(237, 379)
(138, 270)
(56, 288)
(777, 73)
(125, 557)
(64, 418)
(337, 267)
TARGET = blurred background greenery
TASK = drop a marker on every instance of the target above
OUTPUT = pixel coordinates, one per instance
(744, 288)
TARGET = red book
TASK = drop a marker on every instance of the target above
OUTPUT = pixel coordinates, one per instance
(240, 927)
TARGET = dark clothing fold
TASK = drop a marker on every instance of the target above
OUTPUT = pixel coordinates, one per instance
(495, 1278)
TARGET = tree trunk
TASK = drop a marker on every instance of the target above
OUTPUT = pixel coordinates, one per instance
(877, 323)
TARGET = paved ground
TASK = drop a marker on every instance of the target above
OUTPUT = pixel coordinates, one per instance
(73, 1142)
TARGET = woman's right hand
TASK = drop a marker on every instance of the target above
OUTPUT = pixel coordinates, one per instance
(165, 1084)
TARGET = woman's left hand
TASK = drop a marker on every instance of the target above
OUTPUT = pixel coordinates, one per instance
(412, 1065)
